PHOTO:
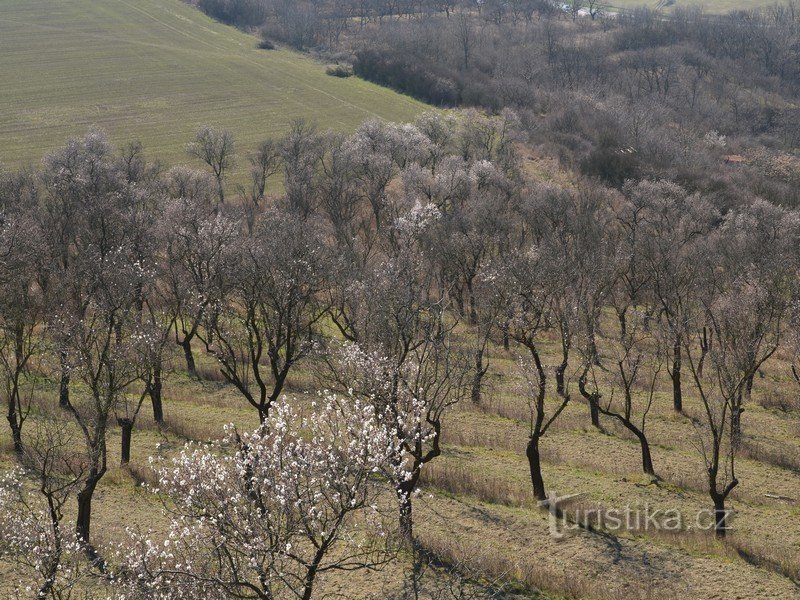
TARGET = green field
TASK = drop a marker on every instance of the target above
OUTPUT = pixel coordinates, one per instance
(156, 70)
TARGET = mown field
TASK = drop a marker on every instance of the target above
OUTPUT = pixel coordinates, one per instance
(156, 70)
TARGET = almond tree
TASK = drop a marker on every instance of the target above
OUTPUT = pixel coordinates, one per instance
(22, 311)
(302, 151)
(78, 178)
(402, 354)
(146, 342)
(635, 359)
(216, 148)
(264, 514)
(579, 262)
(45, 558)
(198, 243)
(523, 289)
(675, 224)
(272, 318)
(103, 354)
(755, 248)
(746, 326)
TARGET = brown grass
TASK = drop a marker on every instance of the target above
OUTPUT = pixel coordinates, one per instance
(526, 570)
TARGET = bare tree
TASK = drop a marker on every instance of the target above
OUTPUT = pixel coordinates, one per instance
(274, 313)
(466, 36)
(22, 307)
(216, 148)
(522, 286)
(635, 357)
(676, 223)
(302, 150)
(103, 355)
(264, 163)
(198, 244)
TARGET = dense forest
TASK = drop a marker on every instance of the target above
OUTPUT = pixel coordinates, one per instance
(704, 100)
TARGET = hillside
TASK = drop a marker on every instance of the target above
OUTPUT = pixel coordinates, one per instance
(156, 70)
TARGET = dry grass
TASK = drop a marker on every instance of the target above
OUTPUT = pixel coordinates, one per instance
(500, 566)
(783, 457)
(459, 480)
(484, 475)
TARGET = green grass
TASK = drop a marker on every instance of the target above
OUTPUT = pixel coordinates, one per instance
(157, 70)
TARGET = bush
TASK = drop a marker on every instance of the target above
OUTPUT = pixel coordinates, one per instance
(339, 71)
(404, 74)
(266, 44)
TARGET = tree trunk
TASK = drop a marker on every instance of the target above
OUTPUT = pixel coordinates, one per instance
(477, 379)
(311, 573)
(186, 344)
(155, 396)
(16, 426)
(623, 322)
(736, 423)
(647, 457)
(677, 394)
(63, 388)
(594, 410)
(127, 430)
(720, 517)
(460, 301)
(220, 190)
(55, 559)
(560, 370)
(593, 352)
(473, 306)
(403, 492)
(84, 520)
(532, 452)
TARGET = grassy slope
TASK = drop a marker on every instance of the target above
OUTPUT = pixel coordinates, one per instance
(481, 512)
(156, 70)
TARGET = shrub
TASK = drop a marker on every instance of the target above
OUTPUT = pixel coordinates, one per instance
(339, 71)
(266, 44)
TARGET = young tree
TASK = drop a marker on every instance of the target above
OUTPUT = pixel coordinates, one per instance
(274, 313)
(103, 354)
(402, 354)
(264, 514)
(216, 148)
(45, 558)
(22, 307)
